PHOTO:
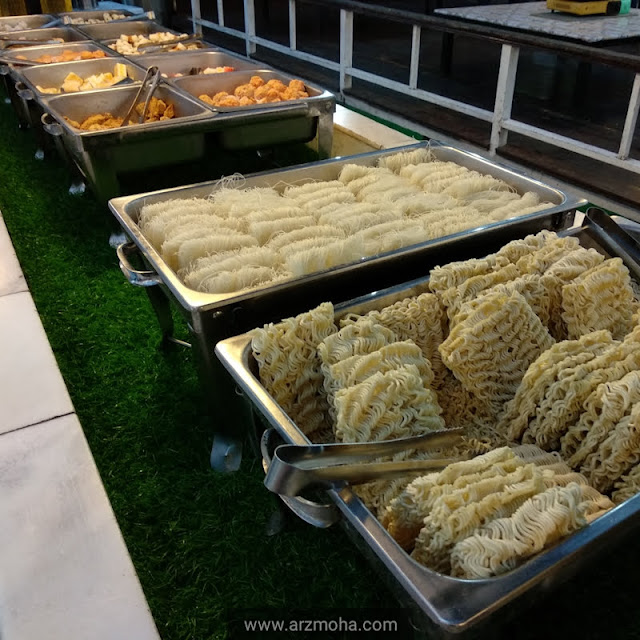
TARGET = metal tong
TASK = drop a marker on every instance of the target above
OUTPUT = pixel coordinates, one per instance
(329, 466)
(149, 15)
(151, 78)
(8, 42)
(171, 43)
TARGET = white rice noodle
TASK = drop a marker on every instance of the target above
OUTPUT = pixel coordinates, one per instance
(417, 205)
(417, 174)
(241, 202)
(344, 196)
(173, 208)
(209, 265)
(399, 160)
(304, 190)
(264, 231)
(358, 222)
(439, 185)
(514, 208)
(504, 212)
(448, 172)
(374, 176)
(211, 242)
(395, 238)
(463, 188)
(163, 228)
(375, 191)
(245, 278)
(313, 259)
(352, 172)
(491, 200)
(335, 213)
(277, 213)
(317, 233)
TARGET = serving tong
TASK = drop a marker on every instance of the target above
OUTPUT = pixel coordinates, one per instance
(152, 79)
(9, 42)
(14, 61)
(186, 38)
(294, 468)
(149, 15)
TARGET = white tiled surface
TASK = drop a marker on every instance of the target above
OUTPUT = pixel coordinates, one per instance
(31, 387)
(11, 278)
(371, 133)
(65, 573)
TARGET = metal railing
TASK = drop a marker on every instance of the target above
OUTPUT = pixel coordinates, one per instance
(511, 42)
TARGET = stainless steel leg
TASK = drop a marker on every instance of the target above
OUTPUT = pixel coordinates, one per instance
(325, 135)
(162, 308)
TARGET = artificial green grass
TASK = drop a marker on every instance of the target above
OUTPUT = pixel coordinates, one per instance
(197, 538)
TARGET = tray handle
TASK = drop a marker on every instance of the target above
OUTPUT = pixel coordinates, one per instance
(318, 515)
(49, 124)
(23, 91)
(134, 276)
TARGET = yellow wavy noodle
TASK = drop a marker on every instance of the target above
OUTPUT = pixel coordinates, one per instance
(404, 516)
(503, 544)
(399, 160)
(290, 367)
(603, 409)
(552, 251)
(420, 319)
(617, 453)
(565, 400)
(315, 259)
(563, 272)
(386, 406)
(516, 249)
(627, 486)
(264, 230)
(534, 292)
(600, 298)
(453, 519)
(542, 374)
(286, 239)
(490, 349)
(208, 266)
(358, 368)
(454, 298)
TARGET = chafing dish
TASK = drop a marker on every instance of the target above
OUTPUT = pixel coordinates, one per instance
(102, 155)
(185, 61)
(212, 317)
(31, 37)
(113, 30)
(7, 24)
(289, 122)
(438, 604)
(70, 17)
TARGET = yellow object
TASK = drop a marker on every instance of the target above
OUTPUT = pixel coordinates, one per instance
(12, 8)
(585, 8)
(55, 6)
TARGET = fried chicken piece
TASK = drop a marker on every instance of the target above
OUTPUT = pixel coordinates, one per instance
(278, 85)
(256, 81)
(73, 123)
(169, 112)
(245, 102)
(297, 85)
(98, 118)
(229, 101)
(294, 94)
(208, 99)
(244, 91)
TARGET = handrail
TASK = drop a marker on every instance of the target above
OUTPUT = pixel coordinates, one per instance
(502, 36)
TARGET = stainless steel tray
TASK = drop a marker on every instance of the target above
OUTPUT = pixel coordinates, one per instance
(32, 22)
(93, 15)
(102, 155)
(33, 53)
(452, 605)
(183, 61)
(213, 317)
(67, 34)
(53, 75)
(113, 30)
(214, 83)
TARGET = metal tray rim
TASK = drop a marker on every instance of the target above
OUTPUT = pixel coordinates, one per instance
(491, 593)
(193, 300)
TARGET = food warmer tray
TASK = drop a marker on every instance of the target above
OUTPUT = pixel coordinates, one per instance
(102, 155)
(438, 603)
(270, 124)
(29, 78)
(212, 317)
(183, 61)
(10, 74)
(96, 15)
(113, 30)
(32, 22)
(67, 34)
